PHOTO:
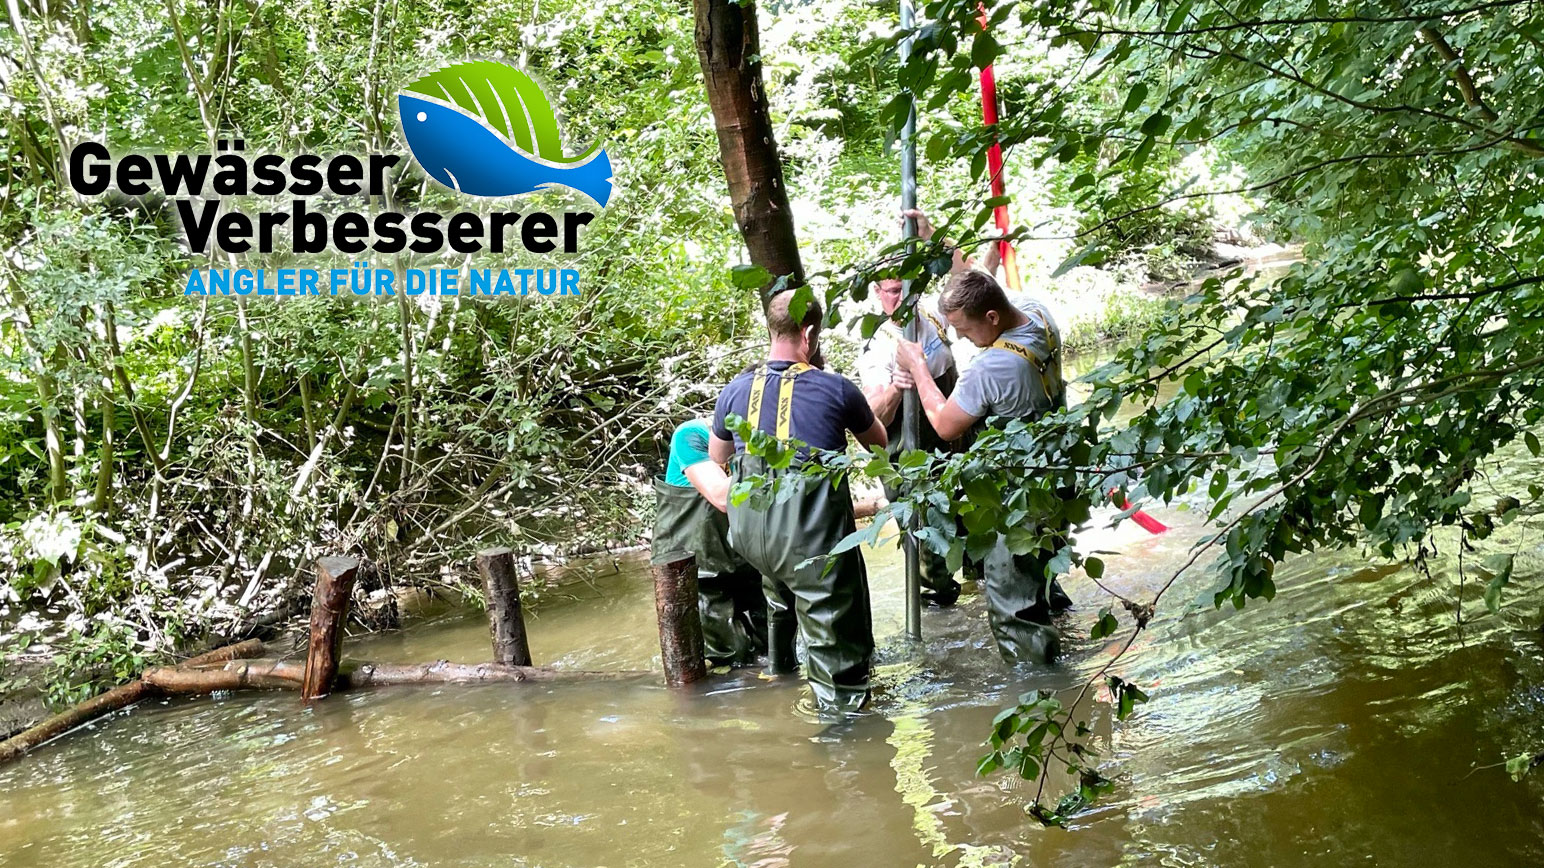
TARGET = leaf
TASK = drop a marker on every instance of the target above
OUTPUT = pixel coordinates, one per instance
(1094, 567)
(800, 302)
(1106, 624)
(1521, 764)
(984, 50)
(749, 276)
(1501, 567)
(1406, 282)
(1156, 124)
(508, 100)
(1134, 98)
(1076, 259)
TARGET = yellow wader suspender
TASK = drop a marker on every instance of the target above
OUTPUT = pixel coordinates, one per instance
(943, 333)
(785, 380)
(1050, 380)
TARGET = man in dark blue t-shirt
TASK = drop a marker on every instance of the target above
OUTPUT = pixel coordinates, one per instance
(825, 602)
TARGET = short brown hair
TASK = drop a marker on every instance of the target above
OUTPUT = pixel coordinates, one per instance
(973, 293)
(780, 323)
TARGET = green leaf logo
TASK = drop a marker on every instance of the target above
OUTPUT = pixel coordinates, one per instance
(507, 99)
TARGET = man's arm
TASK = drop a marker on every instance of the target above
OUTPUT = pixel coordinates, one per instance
(948, 418)
(874, 436)
(711, 481)
(925, 232)
(884, 400)
(720, 450)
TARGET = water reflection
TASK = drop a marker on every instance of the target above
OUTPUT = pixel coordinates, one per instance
(1335, 725)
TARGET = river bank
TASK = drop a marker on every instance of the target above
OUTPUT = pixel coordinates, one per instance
(43, 666)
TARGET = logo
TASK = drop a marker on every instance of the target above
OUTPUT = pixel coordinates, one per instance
(486, 129)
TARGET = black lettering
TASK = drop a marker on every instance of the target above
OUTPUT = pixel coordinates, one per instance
(197, 228)
(234, 230)
(307, 181)
(182, 173)
(380, 164)
(267, 223)
(465, 233)
(133, 175)
(267, 169)
(426, 228)
(348, 232)
(571, 224)
(89, 172)
(388, 232)
(500, 221)
(538, 231)
(310, 229)
(343, 173)
(230, 177)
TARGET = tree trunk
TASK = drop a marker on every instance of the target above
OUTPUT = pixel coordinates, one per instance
(329, 611)
(501, 586)
(680, 624)
(728, 46)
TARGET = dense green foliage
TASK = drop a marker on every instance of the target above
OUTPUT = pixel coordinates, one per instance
(170, 466)
(1362, 398)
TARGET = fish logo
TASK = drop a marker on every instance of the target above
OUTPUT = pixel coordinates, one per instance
(487, 129)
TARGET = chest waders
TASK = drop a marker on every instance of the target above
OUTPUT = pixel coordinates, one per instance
(826, 603)
(1021, 595)
(729, 600)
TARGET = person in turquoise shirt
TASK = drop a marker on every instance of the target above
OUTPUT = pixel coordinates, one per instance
(691, 501)
(688, 448)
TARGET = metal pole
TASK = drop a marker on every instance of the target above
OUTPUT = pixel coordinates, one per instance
(910, 405)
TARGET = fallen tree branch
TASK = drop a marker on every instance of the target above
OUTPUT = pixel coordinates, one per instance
(287, 675)
(122, 696)
(239, 651)
(119, 697)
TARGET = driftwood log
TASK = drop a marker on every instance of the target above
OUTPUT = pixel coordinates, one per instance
(288, 675)
(329, 612)
(119, 697)
(501, 585)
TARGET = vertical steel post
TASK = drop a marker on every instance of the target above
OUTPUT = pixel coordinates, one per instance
(910, 405)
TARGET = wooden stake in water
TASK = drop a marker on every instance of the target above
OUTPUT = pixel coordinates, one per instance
(329, 612)
(501, 586)
(680, 624)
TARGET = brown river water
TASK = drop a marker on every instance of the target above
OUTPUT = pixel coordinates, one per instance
(1341, 724)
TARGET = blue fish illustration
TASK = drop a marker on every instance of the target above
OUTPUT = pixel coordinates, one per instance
(466, 156)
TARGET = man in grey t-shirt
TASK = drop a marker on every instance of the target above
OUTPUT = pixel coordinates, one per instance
(1017, 376)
